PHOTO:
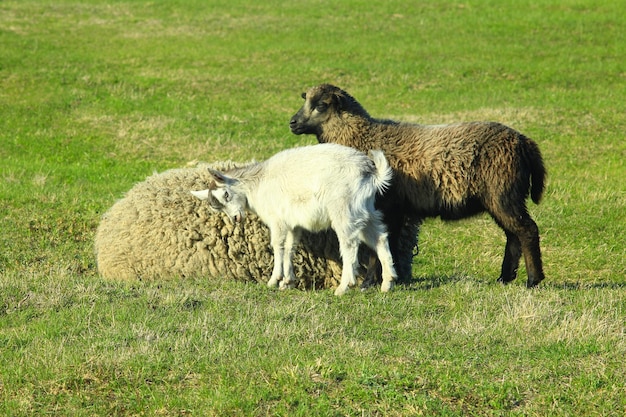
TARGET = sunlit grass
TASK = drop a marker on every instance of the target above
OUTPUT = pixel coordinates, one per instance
(97, 95)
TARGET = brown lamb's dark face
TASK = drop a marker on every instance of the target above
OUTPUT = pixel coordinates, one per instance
(319, 104)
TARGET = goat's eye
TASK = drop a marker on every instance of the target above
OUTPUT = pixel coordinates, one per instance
(226, 196)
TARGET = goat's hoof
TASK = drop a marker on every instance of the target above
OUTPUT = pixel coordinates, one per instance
(272, 283)
(340, 291)
(386, 286)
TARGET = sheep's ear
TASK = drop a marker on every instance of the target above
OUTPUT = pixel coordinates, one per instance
(340, 99)
(220, 178)
(202, 195)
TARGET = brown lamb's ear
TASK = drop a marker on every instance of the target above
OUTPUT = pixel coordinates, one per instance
(339, 99)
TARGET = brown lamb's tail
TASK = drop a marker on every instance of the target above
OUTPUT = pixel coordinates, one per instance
(538, 173)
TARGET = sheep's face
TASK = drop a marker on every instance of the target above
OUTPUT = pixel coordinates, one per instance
(320, 104)
(223, 196)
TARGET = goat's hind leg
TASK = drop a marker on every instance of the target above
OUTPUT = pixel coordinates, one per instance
(374, 235)
(386, 261)
(394, 224)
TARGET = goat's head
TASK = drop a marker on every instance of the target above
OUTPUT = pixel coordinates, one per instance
(321, 103)
(223, 196)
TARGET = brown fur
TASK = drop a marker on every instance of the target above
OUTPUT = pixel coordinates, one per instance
(452, 171)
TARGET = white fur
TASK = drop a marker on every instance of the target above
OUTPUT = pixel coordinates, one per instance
(313, 188)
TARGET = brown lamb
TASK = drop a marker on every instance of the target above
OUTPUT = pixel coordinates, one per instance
(452, 171)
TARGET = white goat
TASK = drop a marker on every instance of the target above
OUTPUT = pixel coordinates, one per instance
(312, 188)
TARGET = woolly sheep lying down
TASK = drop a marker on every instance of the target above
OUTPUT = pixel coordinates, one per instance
(160, 231)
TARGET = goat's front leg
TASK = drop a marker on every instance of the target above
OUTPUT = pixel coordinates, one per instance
(291, 240)
(277, 240)
(349, 253)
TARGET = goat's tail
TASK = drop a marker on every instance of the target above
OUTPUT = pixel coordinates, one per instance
(533, 159)
(384, 173)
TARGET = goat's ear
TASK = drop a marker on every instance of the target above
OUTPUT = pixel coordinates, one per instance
(202, 195)
(220, 178)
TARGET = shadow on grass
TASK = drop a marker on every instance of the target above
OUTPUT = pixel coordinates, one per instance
(575, 285)
(432, 282)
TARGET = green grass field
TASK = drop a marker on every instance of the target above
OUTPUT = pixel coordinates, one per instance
(96, 95)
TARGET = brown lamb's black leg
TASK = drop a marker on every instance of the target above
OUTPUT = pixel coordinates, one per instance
(512, 255)
(522, 233)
